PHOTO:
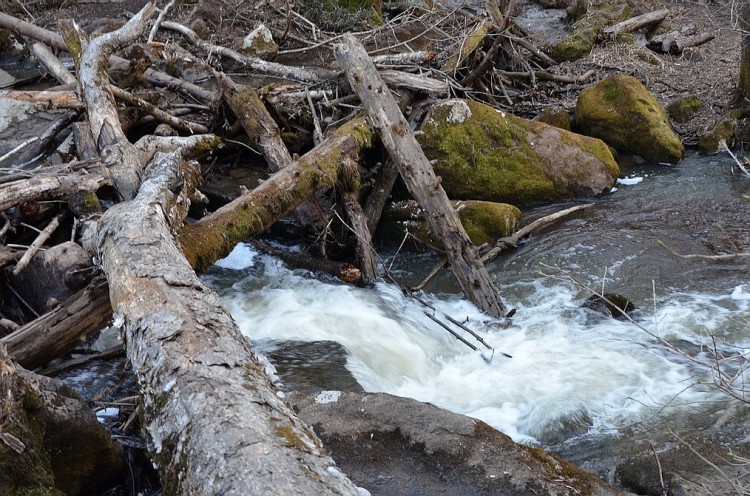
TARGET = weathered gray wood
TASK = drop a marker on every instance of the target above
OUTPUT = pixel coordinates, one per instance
(50, 99)
(47, 186)
(48, 60)
(418, 175)
(58, 332)
(630, 25)
(214, 423)
(56, 41)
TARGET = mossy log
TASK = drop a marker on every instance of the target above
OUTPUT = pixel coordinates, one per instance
(213, 237)
(418, 175)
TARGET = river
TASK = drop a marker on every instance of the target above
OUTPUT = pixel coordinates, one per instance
(586, 386)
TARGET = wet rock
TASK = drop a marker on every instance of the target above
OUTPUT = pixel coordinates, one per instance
(683, 109)
(564, 428)
(51, 443)
(483, 154)
(622, 113)
(312, 366)
(393, 445)
(724, 130)
(611, 305)
(484, 222)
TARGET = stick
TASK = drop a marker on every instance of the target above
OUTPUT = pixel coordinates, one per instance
(705, 257)
(157, 113)
(38, 242)
(159, 20)
(48, 60)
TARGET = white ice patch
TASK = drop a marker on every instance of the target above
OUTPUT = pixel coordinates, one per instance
(106, 412)
(328, 397)
(629, 181)
(240, 258)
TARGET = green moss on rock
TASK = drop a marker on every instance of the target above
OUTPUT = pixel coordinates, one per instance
(557, 117)
(574, 47)
(483, 154)
(724, 130)
(683, 109)
(484, 222)
(622, 113)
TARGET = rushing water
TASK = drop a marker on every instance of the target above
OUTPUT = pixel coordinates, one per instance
(574, 375)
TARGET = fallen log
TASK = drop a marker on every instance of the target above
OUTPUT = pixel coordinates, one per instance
(263, 130)
(213, 237)
(417, 173)
(214, 423)
(629, 25)
(61, 330)
(48, 186)
(364, 252)
(54, 40)
(50, 99)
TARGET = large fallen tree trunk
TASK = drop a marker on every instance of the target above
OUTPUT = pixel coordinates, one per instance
(417, 173)
(214, 422)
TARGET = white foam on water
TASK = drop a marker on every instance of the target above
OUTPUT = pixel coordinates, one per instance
(565, 363)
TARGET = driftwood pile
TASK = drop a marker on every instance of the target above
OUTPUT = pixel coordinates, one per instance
(103, 237)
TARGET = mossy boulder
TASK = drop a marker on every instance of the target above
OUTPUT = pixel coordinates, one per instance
(574, 47)
(483, 221)
(483, 154)
(622, 112)
(724, 130)
(50, 442)
(557, 117)
(683, 109)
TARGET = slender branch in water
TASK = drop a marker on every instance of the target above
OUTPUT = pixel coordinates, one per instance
(724, 148)
(705, 257)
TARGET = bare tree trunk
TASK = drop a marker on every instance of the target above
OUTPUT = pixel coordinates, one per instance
(418, 175)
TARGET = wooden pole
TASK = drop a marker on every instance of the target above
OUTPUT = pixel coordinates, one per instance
(418, 175)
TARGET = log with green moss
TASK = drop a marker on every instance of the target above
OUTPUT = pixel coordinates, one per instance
(213, 237)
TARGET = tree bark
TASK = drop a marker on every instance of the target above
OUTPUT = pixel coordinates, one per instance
(744, 25)
(364, 252)
(418, 175)
(262, 129)
(213, 421)
(630, 25)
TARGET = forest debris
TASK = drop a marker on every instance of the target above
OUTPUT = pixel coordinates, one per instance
(674, 42)
(418, 175)
(634, 23)
(38, 242)
(50, 62)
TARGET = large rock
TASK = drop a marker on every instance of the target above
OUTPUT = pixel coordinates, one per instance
(483, 154)
(50, 442)
(483, 221)
(393, 445)
(622, 113)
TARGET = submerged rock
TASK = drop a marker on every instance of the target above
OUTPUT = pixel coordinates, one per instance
(393, 445)
(622, 112)
(612, 304)
(483, 154)
(483, 221)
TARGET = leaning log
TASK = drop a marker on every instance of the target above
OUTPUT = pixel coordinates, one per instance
(214, 423)
(633, 24)
(417, 173)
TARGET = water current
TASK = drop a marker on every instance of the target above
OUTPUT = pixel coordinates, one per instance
(577, 381)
